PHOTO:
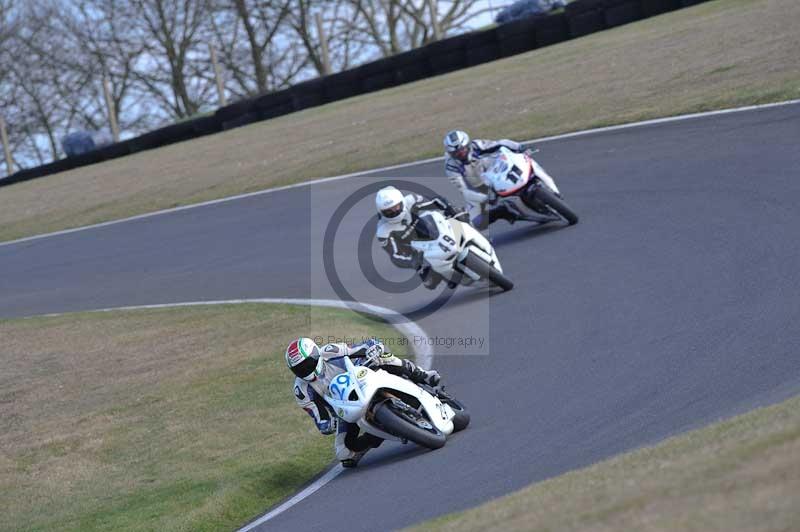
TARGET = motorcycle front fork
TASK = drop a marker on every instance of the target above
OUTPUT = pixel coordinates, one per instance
(529, 198)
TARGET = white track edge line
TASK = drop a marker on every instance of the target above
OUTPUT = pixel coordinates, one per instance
(581, 133)
(312, 488)
(422, 353)
(664, 120)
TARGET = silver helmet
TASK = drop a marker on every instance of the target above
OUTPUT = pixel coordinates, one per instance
(456, 143)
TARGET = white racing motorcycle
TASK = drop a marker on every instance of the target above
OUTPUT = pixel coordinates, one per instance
(457, 251)
(525, 188)
(394, 408)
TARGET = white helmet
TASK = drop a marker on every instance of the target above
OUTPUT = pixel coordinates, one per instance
(456, 143)
(391, 204)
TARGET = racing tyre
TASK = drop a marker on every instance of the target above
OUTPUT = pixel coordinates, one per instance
(461, 419)
(411, 426)
(485, 270)
(557, 204)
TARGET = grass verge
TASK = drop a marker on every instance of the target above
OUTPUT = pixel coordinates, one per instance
(739, 474)
(170, 419)
(718, 54)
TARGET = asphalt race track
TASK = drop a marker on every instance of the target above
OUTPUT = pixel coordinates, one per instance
(674, 302)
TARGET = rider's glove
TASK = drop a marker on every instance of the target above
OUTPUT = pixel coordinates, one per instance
(374, 348)
(432, 378)
(327, 426)
(462, 216)
(448, 209)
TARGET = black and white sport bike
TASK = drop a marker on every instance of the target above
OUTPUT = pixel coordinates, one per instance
(458, 252)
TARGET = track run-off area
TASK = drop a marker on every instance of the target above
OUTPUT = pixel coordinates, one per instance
(673, 303)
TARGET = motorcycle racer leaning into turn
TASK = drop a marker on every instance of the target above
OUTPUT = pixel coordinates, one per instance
(315, 367)
(462, 165)
(398, 215)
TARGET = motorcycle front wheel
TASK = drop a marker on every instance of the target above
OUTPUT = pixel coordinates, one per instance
(409, 426)
(544, 195)
(486, 271)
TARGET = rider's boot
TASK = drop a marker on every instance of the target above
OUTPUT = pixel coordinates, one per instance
(419, 375)
(351, 447)
(481, 221)
(501, 212)
(347, 457)
(353, 460)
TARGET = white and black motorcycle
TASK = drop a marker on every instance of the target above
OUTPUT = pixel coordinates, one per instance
(457, 251)
(394, 408)
(523, 186)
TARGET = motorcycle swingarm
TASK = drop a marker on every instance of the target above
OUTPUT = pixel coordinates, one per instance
(540, 218)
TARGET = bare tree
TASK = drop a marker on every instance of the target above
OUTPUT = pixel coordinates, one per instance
(174, 34)
(36, 84)
(255, 50)
(55, 54)
(8, 28)
(262, 22)
(104, 46)
(62, 50)
(398, 25)
(301, 21)
(361, 30)
(341, 28)
(8, 21)
(380, 23)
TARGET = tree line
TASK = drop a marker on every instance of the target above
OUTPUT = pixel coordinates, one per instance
(155, 56)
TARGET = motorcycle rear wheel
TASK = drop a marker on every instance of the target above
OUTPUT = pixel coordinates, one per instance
(396, 421)
(485, 270)
(461, 419)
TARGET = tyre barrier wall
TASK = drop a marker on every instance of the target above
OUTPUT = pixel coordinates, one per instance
(580, 18)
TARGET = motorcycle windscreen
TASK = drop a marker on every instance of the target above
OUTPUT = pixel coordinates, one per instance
(426, 228)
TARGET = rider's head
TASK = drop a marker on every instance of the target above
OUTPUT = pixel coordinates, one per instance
(391, 204)
(456, 143)
(303, 358)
